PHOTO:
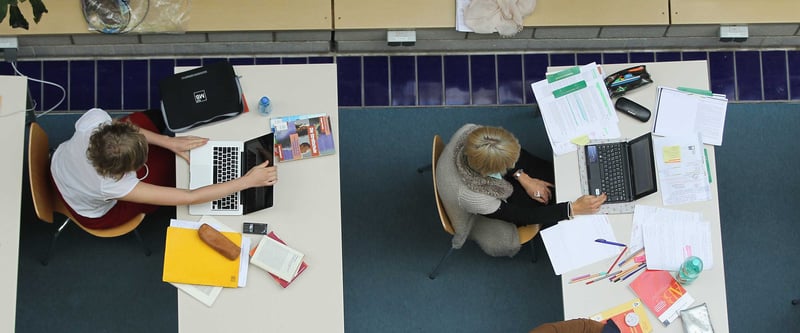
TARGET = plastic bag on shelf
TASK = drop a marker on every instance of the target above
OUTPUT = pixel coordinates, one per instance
(139, 16)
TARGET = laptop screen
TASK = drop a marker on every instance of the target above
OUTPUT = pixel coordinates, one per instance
(256, 151)
(641, 155)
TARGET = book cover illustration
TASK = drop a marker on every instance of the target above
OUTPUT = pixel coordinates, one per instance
(662, 294)
(630, 317)
(280, 281)
(302, 136)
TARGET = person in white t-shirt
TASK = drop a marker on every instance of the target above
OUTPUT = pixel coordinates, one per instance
(111, 170)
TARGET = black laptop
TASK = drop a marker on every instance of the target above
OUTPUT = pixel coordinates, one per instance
(625, 171)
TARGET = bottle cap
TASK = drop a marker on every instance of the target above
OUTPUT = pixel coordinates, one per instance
(264, 100)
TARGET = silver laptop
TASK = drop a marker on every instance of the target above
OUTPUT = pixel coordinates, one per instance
(220, 161)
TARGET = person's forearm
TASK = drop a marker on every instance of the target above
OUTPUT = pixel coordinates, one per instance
(155, 138)
(215, 191)
(524, 215)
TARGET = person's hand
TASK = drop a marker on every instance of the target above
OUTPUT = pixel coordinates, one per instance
(537, 189)
(261, 175)
(181, 145)
(588, 204)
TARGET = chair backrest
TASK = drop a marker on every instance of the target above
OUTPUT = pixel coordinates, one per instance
(45, 199)
(438, 146)
(39, 172)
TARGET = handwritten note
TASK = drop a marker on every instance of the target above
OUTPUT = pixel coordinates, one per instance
(672, 154)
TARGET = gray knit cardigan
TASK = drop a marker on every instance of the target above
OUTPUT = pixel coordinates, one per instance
(463, 206)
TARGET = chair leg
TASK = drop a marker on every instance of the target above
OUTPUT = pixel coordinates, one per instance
(147, 251)
(46, 259)
(436, 270)
(425, 168)
(534, 254)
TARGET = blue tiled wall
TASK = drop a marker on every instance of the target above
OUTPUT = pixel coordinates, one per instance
(407, 80)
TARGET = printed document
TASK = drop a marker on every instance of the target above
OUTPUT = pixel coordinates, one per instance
(575, 106)
(669, 243)
(682, 169)
(669, 236)
(649, 214)
(571, 243)
(682, 113)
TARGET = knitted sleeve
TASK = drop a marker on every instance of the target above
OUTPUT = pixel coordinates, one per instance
(477, 203)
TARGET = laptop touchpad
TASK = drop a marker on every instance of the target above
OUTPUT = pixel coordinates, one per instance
(201, 176)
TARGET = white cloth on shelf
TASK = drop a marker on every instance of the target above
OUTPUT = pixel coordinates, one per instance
(502, 16)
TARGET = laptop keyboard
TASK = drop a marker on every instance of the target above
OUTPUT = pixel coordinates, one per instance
(612, 175)
(226, 167)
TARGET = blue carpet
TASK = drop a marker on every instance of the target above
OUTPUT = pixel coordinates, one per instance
(392, 238)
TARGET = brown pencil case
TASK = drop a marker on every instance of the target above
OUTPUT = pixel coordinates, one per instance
(217, 241)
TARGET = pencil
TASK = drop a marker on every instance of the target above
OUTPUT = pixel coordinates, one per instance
(597, 279)
(578, 278)
(616, 277)
(616, 261)
(631, 256)
(587, 276)
(634, 272)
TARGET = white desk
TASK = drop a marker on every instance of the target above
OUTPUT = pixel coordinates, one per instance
(13, 91)
(306, 214)
(580, 300)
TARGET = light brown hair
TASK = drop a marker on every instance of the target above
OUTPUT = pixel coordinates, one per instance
(491, 150)
(117, 148)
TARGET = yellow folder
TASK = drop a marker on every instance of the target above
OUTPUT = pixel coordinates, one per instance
(187, 259)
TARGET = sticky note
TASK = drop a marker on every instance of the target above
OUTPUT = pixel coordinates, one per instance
(672, 154)
(581, 140)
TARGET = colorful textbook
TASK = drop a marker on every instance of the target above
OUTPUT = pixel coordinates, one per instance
(662, 294)
(302, 136)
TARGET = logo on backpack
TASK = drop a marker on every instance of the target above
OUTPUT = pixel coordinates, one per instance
(200, 96)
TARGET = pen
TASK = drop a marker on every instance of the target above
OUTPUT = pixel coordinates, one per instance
(617, 260)
(696, 91)
(624, 272)
(597, 279)
(587, 276)
(630, 257)
(634, 272)
(600, 240)
(578, 278)
(708, 166)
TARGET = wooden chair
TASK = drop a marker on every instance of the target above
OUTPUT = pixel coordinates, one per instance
(46, 200)
(526, 233)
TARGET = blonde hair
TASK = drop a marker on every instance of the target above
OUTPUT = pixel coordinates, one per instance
(117, 148)
(491, 150)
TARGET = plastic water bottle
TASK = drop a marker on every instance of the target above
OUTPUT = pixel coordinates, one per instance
(690, 270)
(264, 106)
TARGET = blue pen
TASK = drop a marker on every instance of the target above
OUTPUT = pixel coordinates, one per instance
(600, 240)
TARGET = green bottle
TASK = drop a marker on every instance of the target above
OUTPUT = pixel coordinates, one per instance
(690, 270)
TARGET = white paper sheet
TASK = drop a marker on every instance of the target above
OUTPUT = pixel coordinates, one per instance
(571, 243)
(680, 113)
(682, 171)
(667, 245)
(585, 111)
(460, 25)
(649, 214)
